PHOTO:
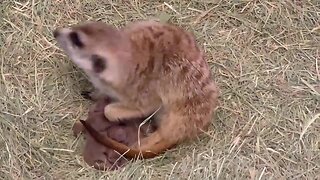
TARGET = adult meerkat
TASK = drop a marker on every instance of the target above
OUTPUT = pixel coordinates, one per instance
(145, 66)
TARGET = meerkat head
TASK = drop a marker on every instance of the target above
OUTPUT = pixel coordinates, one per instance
(96, 47)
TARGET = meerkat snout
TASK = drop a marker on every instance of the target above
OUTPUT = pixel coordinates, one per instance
(65, 35)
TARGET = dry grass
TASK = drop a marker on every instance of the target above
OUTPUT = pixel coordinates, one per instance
(265, 58)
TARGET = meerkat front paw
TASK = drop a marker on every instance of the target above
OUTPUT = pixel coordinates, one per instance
(93, 95)
(117, 112)
(112, 113)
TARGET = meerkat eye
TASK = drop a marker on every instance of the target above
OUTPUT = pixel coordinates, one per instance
(74, 37)
(98, 63)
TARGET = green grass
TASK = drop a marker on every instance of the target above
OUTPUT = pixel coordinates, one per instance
(265, 56)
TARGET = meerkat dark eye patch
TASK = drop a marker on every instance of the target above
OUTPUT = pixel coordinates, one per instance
(98, 63)
(75, 39)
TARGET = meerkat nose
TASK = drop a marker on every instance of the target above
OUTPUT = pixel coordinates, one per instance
(56, 33)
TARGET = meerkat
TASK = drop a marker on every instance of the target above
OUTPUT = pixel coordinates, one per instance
(145, 66)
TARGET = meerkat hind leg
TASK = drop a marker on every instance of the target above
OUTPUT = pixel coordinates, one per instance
(170, 132)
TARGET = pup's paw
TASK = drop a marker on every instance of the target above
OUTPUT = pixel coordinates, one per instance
(77, 129)
(87, 95)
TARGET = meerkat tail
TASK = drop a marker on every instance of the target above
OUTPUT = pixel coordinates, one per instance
(156, 149)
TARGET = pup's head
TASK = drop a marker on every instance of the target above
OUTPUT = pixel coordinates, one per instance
(95, 47)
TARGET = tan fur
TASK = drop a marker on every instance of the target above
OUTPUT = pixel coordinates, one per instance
(150, 65)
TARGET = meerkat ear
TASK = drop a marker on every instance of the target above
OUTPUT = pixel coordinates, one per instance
(76, 39)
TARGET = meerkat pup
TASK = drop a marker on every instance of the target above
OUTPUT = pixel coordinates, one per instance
(145, 66)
